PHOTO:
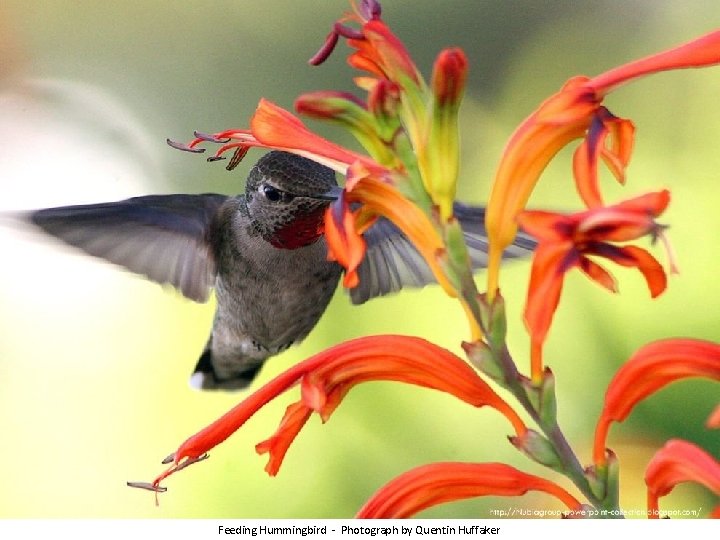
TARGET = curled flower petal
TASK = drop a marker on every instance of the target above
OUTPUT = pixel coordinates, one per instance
(437, 483)
(345, 245)
(677, 462)
(635, 257)
(651, 368)
(585, 160)
(622, 137)
(296, 415)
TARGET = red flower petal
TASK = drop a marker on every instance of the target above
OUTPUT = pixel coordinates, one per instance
(546, 280)
(677, 462)
(382, 53)
(548, 226)
(296, 415)
(345, 245)
(635, 257)
(598, 274)
(277, 128)
(437, 483)
(651, 368)
(700, 52)
(594, 146)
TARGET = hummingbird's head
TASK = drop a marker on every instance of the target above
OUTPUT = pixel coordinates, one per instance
(286, 198)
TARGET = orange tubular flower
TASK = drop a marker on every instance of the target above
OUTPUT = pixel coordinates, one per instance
(575, 111)
(651, 368)
(328, 376)
(439, 483)
(566, 241)
(275, 128)
(677, 462)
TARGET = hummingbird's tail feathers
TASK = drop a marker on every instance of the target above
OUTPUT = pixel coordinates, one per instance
(163, 237)
(206, 377)
(392, 262)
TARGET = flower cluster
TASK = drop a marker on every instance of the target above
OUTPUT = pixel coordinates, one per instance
(409, 130)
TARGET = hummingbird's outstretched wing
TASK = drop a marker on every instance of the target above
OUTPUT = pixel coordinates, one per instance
(391, 261)
(163, 237)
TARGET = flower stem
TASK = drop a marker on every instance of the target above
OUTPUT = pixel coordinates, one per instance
(571, 466)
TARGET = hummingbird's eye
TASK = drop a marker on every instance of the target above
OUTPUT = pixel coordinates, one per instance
(273, 194)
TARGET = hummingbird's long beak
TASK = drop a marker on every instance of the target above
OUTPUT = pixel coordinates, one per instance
(331, 195)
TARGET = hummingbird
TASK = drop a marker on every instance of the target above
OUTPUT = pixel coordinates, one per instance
(263, 252)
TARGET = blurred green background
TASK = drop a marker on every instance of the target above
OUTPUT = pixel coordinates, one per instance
(94, 361)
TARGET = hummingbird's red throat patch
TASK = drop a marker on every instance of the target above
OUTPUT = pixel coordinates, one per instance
(302, 231)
